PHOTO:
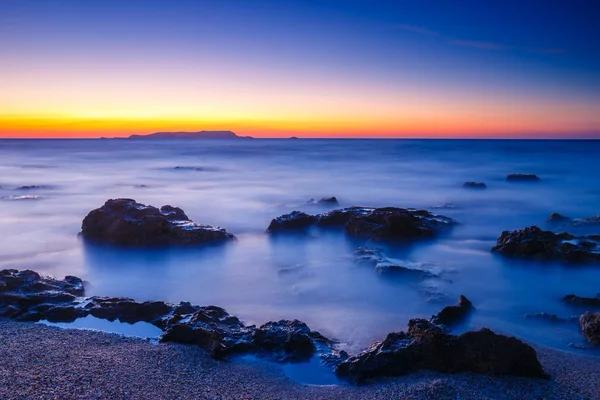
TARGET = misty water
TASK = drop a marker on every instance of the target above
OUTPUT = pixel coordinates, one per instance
(242, 184)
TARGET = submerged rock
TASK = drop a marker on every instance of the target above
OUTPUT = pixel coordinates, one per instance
(376, 224)
(128, 223)
(474, 185)
(558, 219)
(532, 242)
(385, 265)
(429, 346)
(590, 326)
(547, 317)
(582, 301)
(455, 313)
(325, 201)
(522, 178)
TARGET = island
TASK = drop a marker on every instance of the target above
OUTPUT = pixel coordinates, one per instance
(191, 135)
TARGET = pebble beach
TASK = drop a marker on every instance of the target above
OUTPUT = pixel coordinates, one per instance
(43, 362)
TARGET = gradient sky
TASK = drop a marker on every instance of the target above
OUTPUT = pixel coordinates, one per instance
(312, 68)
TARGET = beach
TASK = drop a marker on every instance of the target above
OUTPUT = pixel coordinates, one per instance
(42, 362)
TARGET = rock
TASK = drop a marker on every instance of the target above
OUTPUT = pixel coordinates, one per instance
(553, 318)
(128, 223)
(574, 300)
(27, 296)
(558, 219)
(428, 346)
(455, 313)
(385, 265)
(522, 178)
(286, 340)
(296, 220)
(590, 326)
(474, 185)
(325, 201)
(532, 242)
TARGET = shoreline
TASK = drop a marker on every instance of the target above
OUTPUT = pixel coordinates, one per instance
(40, 361)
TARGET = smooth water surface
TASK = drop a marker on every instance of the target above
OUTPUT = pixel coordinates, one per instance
(242, 184)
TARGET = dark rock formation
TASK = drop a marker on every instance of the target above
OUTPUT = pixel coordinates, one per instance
(532, 242)
(455, 313)
(386, 265)
(26, 296)
(557, 218)
(429, 346)
(474, 185)
(574, 300)
(296, 220)
(370, 223)
(128, 223)
(522, 178)
(590, 326)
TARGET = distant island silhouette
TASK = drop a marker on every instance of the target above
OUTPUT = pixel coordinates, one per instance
(191, 135)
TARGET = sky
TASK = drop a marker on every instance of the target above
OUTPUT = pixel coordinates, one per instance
(311, 68)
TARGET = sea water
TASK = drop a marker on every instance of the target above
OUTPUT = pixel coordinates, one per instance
(242, 184)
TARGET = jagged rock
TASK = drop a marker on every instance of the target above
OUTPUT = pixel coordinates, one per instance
(532, 242)
(26, 296)
(455, 313)
(582, 301)
(296, 220)
(128, 223)
(474, 185)
(590, 326)
(428, 346)
(522, 178)
(371, 223)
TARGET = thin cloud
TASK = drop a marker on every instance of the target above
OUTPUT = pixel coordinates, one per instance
(481, 45)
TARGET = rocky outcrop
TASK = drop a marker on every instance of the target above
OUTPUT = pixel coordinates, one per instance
(128, 223)
(590, 326)
(376, 224)
(579, 301)
(453, 314)
(294, 221)
(27, 296)
(522, 178)
(474, 185)
(532, 242)
(428, 346)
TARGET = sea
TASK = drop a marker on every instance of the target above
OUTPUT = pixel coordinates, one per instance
(48, 186)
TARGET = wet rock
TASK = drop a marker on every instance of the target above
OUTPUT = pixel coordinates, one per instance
(590, 326)
(556, 217)
(296, 220)
(455, 313)
(429, 346)
(532, 242)
(286, 340)
(334, 358)
(128, 223)
(574, 300)
(522, 178)
(127, 310)
(474, 185)
(385, 265)
(32, 187)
